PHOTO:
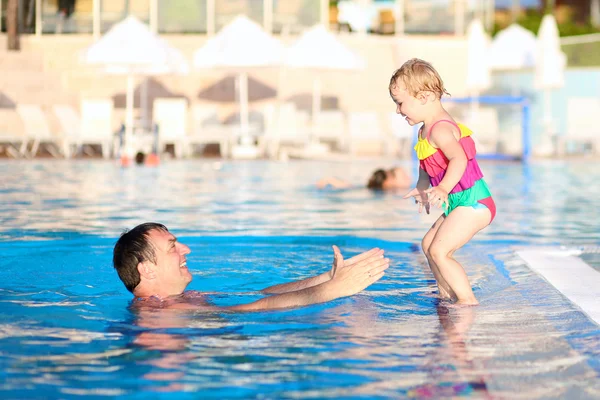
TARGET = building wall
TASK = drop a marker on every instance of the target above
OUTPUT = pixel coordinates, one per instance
(59, 77)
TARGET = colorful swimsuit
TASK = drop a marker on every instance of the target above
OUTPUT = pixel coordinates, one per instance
(471, 190)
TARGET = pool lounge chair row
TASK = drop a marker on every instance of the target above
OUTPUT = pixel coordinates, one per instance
(271, 128)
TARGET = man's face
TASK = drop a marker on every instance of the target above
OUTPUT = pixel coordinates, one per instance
(406, 105)
(171, 266)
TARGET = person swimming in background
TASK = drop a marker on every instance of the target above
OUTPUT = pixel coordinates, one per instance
(449, 175)
(380, 179)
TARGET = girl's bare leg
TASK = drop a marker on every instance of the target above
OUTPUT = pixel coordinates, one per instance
(455, 231)
(443, 287)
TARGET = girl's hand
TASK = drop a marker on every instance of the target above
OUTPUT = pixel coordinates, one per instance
(437, 196)
(420, 199)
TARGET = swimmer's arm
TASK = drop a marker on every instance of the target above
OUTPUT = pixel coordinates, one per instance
(348, 280)
(333, 182)
(316, 280)
(443, 138)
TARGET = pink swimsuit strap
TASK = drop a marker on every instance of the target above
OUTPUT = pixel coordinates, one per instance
(437, 122)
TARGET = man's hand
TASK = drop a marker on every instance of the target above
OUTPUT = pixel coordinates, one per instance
(338, 259)
(357, 273)
(421, 199)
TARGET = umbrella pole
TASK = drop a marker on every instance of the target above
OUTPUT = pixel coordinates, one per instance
(316, 105)
(547, 120)
(244, 108)
(129, 117)
(144, 103)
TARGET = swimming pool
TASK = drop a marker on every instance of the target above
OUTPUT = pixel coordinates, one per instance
(66, 331)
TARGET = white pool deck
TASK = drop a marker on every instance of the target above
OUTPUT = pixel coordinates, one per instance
(569, 274)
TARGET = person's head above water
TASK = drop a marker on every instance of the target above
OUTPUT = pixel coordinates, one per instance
(153, 266)
(386, 179)
(416, 88)
(150, 261)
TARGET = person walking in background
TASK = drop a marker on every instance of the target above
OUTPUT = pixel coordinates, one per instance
(449, 176)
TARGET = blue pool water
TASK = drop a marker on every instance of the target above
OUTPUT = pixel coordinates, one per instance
(66, 329)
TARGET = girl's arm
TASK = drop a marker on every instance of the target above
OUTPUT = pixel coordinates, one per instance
(420, 191)
(423, 182)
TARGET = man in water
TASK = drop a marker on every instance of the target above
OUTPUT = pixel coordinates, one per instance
(152, 264)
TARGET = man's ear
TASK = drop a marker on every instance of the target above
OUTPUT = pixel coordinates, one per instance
(146, 270)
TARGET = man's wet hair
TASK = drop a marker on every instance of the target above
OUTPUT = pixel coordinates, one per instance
(132, 248)
(376, 180)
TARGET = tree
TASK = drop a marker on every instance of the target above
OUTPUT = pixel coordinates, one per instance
(12, 25)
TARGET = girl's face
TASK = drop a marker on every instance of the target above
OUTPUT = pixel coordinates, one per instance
(406, 105)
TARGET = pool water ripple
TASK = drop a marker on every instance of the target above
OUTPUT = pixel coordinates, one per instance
(66, 329)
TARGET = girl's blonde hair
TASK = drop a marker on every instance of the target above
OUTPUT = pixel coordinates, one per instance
(418, 75)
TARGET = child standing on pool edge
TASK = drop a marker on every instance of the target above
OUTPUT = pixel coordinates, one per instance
(449, 176)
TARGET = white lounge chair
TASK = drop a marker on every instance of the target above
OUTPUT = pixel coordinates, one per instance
(15, 143)
(330, 126)
(582, 125)
(366, 134)
(291, 126)
(207, 128)
(170, 115)
(96, 124)
(37, 129)
(70, 126)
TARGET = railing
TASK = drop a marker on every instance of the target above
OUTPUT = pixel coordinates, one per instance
(276, 16)
(169, 16)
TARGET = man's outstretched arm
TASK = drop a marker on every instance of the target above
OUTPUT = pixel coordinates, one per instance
(346, 281)
(321, 278)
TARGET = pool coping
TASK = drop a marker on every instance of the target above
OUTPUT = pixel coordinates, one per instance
(580, 283)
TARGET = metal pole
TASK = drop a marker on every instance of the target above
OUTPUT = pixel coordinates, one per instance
(268, 16)
(459, 17)
(96, 19)
(399, 28)
(144, 103)
(324, 13)
(316, 101)
(129, 116)
(490, 15)
(154, 16)
(526, 134)
(514, 10)
(210, 17)
(12, 25)
(38, 17)
(244, 123)
(595, 12)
